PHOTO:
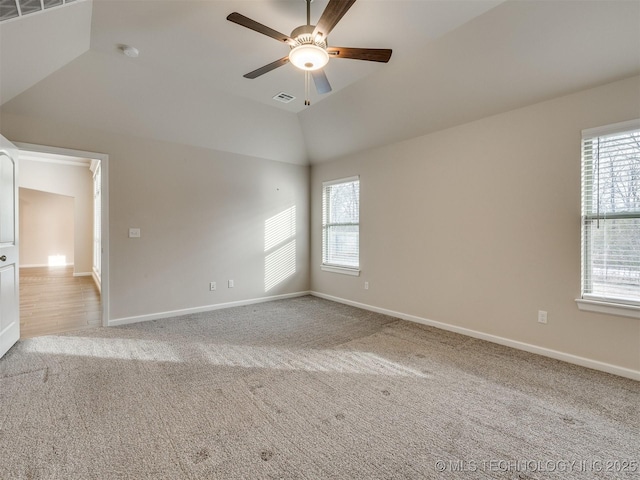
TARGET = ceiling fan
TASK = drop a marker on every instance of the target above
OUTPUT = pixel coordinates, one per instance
(309, 47)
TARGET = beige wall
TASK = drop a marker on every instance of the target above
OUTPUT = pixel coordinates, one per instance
(72, 181)
(46, 227)
(478, 226)
(202, 217)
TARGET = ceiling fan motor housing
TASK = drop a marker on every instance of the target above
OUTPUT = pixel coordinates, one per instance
(303, 35)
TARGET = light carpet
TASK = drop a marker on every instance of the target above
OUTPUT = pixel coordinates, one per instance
(305, 388)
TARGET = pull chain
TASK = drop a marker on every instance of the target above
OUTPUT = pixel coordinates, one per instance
(307, 75)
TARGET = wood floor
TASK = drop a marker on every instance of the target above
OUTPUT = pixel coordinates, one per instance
(52, 300)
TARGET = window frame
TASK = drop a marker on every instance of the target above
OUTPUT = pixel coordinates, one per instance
(96, 169)
(588, 301)
(334, 267)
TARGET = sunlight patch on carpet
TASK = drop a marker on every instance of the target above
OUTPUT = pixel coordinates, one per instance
(226, 355)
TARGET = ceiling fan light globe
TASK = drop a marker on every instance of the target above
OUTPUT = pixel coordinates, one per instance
(308, 57)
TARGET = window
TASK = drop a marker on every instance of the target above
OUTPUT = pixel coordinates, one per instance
(341, 226)
(611, 215)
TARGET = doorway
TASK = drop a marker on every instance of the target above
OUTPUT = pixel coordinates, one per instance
(63, 268)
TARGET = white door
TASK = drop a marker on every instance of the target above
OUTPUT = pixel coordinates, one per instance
(9, 300)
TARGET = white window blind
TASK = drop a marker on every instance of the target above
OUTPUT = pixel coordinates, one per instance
(341, 223)
(611, 214)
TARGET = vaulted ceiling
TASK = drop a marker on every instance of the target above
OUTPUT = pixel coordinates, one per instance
(453, 62)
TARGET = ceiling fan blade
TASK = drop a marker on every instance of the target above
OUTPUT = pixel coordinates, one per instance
(321, 81)
(371, 54)
(331, 16)
(236, 17)
(267, 68)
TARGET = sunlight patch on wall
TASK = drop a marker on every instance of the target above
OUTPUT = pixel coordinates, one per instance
(279, 228)
(57, 260)
(279, 265)
(280, 248)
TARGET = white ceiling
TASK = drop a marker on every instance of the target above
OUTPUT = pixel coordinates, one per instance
(453, 61)
(196, 38)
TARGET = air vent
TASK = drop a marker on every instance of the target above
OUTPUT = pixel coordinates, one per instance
(17, 8)
(284, 97)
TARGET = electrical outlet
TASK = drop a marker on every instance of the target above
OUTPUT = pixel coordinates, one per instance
(542, 316)
(134, 233)
(366, 285)
(230, 283)
(212, 286)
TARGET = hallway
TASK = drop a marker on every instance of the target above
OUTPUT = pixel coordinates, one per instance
(52, 301)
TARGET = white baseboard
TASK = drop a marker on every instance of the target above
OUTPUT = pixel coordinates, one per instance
(206, 308)
(40, 265)
(82, 274)
(546, 352)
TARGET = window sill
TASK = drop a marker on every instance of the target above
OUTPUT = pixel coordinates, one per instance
(343, 270)
(599, 306)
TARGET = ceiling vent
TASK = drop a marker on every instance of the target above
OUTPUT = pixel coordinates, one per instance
(17, 8)
(284, 97)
